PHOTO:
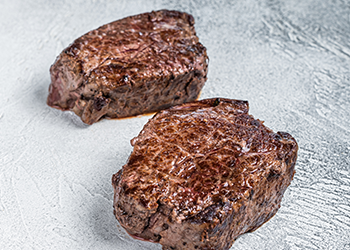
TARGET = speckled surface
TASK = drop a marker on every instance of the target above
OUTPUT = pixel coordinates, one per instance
(289, 59)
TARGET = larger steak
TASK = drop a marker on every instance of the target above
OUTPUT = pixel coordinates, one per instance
(201, 174)
(135, 65)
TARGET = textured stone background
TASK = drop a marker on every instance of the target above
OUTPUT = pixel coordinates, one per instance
(290, 59)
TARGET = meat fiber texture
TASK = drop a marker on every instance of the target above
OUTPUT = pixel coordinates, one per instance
(201, 174)
(136, 65)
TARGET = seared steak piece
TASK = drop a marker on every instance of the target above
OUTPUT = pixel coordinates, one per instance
(201, 174)
(135, 65)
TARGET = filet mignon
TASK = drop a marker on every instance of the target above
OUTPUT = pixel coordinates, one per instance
(135, 65)
(201, 174)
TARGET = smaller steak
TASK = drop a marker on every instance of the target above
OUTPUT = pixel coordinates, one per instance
(201, 174)
(139, 64)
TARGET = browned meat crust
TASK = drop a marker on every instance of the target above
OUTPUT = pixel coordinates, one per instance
(135, 65)
(201, 174)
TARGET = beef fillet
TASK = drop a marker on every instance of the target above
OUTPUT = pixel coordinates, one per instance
(135, 65)
(201, 174)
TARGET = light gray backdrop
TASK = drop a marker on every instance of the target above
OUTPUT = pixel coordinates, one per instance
(289, 59)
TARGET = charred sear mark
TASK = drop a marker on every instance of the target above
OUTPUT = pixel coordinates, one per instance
(255, 123)
(216, 102)
(251, 194)
(273, 175)
(99, 103)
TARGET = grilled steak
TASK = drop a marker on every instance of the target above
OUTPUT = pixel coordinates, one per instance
(135, 65)
(201, 174)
